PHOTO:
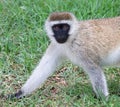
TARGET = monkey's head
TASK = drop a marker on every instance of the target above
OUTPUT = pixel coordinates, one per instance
(60, 26)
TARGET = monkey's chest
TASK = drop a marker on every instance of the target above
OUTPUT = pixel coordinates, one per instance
(74, 55)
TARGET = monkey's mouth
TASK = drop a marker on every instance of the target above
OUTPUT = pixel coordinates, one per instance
(61, 39)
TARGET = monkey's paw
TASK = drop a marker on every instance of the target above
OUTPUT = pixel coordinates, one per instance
(17, 95)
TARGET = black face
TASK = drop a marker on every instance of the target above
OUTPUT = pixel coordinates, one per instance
(61, 32)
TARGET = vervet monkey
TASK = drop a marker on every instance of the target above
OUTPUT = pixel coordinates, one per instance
(90, 44)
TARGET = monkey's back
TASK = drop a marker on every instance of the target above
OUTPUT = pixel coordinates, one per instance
(99, 37)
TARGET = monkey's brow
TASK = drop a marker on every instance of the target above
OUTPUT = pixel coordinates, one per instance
(60, 16)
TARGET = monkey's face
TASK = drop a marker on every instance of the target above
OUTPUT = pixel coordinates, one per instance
(61, 32)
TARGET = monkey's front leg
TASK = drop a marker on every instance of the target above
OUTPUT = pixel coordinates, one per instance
(44, 69)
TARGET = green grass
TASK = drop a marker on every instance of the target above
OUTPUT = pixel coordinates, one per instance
(23, 42)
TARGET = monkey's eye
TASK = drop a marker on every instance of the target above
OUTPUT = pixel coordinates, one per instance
(65, 27)
(56, 28)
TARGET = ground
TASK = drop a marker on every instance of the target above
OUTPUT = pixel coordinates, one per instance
(23, 41)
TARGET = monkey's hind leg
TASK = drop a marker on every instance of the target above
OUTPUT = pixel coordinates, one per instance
(98, 81)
